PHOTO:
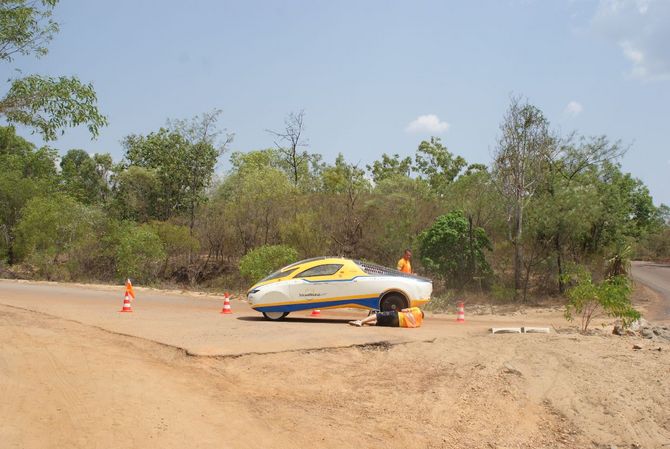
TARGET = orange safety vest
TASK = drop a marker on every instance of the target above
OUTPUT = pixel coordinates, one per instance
(411, 318)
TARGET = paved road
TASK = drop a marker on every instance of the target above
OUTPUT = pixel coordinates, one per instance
(195, 324)
(657, 277)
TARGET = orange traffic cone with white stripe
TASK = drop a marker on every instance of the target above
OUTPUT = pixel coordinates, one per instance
(126, 304)
(315, 312)
(460, 315)
(226, 304)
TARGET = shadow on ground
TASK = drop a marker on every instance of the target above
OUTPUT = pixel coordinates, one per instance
(296, 320)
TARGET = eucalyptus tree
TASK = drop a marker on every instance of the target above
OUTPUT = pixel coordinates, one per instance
(524, 147)
(44, 104)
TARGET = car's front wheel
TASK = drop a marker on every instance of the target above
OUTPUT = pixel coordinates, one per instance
(275, 316)
(392, 301)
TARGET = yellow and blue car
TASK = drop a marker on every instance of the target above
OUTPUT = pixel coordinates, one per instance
(336, 282)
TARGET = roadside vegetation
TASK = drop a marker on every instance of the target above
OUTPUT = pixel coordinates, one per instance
(181, 208)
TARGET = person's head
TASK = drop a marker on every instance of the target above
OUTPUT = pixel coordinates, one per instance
(408, 254)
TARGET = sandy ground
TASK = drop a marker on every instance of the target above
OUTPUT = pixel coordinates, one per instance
(175, 373)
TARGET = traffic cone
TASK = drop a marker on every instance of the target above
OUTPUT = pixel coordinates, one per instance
(316, 312)
(129, 289)
(226, 304)
(460, 315)
(126, 304)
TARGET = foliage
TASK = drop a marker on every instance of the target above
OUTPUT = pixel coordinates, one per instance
(183, 159)
(454, 249)
(524, 148)
(85, 177)
(177, 242)
(437, 164)
(588, 299)
(260, 262)
(45, 104)
(49, 104)
(255, 202)
(139, 254)
(25, 172)
(48, 230)
(26, 27)
(390, 167)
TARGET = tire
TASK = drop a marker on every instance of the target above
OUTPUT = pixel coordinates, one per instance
(274, 316)
(393, 301)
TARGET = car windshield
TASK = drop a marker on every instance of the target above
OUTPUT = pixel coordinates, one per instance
(278, 274)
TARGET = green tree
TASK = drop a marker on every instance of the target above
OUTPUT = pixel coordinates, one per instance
(49, 229)
(389, 166)
(397, 211)
(256, 200)
(524, 149)
(135, 193)
(454, 249)
(177, 242)
(183, 158)
(260, 262)
(24, 173)
(45, 104)
(345, 188)
(139, 254)
(437, 165)
(84, 176)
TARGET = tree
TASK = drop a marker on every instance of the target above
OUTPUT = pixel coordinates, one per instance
(454, 249)
(288, 143)
(85, 177)
(345, 184)
(49, 228)
(438, 166)
(566, 164)
(136, 193)
(45, 104)
(177, 241)
(523, 150)
(183, 158)
(389, 166)
(256, 199)
(397, 211)
(24, 173)
(139, 253)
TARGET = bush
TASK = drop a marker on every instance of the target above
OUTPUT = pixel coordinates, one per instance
(589, 299)
(139, 254)
(454, 249)
(178, 243)
(260, 262)
(49, 232)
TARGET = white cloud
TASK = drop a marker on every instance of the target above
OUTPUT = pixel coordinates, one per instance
(429, 123)
(573, 109)
(640, 28)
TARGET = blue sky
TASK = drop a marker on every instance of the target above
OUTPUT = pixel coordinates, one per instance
(374, 76)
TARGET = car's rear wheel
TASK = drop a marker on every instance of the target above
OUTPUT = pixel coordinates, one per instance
(393, 301)
(275, 316)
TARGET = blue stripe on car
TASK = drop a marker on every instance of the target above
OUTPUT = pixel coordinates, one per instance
(372, 303)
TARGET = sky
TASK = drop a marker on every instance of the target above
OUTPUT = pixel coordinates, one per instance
(373, 76)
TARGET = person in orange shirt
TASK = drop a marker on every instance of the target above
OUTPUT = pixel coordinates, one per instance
(404, 263)
(412, 317)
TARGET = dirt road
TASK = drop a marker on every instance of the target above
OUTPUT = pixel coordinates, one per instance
(69, 379)
(657, 277)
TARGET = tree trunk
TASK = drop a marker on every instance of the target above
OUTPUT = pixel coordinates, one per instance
(518, 251)
(559, 262)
